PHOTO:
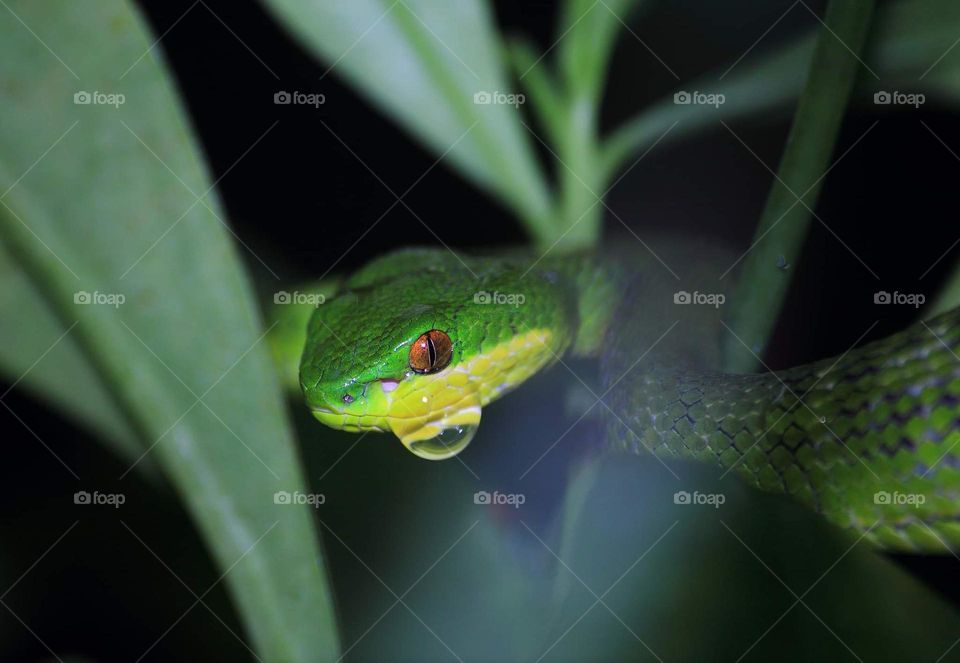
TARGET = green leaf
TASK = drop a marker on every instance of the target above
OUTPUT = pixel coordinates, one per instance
(538, 80)
(38, 353)
(101, 203)
(288, 317)
(474, 597)
(947, 298)
(914, 45)
(911, 44)
(786, 216)
(753, 87)
(637, 572)
(422, 63)
(585, 39)
(568, 106)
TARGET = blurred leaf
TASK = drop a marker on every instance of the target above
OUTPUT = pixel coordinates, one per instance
(287, 318)
(481, 603)
(567, 103)
(691, 582)
(910, 43)
(785, 220)
(585, 38)
(40, 354)
(947, 298)
(914, 44)
(544, 93)
(427, 64)
(753, 87)
(108, 200)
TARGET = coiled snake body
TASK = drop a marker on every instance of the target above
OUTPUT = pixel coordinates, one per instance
(418, 341)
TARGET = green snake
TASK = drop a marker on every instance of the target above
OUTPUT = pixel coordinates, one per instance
(417, 342)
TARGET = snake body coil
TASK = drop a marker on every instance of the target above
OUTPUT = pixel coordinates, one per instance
(868, 439)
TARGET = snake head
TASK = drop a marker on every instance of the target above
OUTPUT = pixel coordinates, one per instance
(414, 351)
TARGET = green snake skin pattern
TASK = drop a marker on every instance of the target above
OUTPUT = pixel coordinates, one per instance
(870, 439)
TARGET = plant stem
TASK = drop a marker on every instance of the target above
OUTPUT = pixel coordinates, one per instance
(786, 216)
(580, 211)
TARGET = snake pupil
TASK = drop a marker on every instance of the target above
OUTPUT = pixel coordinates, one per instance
(431, 352)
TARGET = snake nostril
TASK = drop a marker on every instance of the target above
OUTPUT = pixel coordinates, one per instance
(347, 398)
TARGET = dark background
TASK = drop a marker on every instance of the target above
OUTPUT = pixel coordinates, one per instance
(301, 201)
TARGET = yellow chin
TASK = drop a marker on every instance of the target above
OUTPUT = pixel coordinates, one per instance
(422, 407)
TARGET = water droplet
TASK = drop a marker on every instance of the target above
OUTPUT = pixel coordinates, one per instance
(447, 444)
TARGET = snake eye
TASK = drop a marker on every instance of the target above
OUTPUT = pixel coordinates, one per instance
(431, 352)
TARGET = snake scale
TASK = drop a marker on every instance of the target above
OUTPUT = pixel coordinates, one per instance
(418, 341)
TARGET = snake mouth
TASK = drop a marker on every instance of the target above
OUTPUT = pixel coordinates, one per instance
(386, 385)
(436, 415)
(412, 415)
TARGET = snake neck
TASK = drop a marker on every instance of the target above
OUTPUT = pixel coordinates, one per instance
(595, 284)
(870, 439)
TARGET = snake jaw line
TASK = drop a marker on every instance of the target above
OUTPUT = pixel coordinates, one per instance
(865, 439)
(435, 415)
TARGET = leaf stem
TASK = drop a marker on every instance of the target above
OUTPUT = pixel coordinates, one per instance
(786, 217)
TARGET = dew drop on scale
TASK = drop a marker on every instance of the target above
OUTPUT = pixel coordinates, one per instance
(447, 444)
